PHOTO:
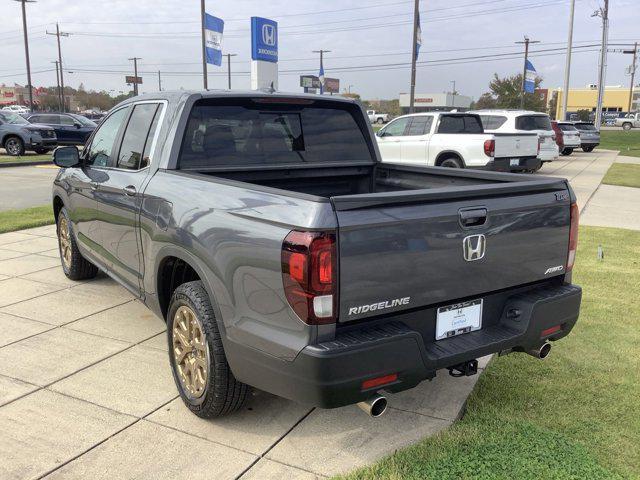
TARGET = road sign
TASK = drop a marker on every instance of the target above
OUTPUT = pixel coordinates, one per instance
(264, 39)
(331, 85)
(309, 81)
(132, 79)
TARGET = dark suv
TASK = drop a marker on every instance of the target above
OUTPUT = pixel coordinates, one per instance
(18, 135)
(71, 129)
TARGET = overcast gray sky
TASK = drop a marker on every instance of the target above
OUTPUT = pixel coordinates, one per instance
(367, 34)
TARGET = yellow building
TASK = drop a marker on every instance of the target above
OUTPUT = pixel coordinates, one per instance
(616, 99)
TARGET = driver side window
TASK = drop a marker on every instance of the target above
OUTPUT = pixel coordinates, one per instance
(99, 151)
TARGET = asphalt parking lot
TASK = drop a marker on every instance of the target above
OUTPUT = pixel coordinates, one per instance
(86, 390)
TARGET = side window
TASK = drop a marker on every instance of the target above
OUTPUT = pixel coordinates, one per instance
(396, 128)
(66, 120)
(140, 129)
(492, 122)
(420, 125)
(100, 149)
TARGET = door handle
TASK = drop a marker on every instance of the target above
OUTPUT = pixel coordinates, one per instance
(130, 190)
(473, 217)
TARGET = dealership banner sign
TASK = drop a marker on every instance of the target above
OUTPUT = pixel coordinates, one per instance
(530, 78)
(213, 28)
(264, 39)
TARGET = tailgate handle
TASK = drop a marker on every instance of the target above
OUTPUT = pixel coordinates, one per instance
(473, 218)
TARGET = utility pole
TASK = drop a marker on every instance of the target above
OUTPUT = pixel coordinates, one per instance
(526, 42)
(414, 54)
(602, 73)
(453, 94)
(634, 52)
(58, 83)
(59, 34)
(26, 49)
(321, 52)
(204, 50)
(567, 66)
(229, 55)
(135, 74)
(159, 82)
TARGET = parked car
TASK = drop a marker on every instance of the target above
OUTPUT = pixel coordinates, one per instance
(632, 120)
(17, 135)
(71, 129)
(19, 109)
(376, 117)
(94, 116)
(517, 121)
(589, 135)
(567, 137)
(285, 256)
(457, 140)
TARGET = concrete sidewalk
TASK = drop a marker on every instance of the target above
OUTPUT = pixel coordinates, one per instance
(86, 390)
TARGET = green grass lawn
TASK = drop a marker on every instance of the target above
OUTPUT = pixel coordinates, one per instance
(627, 142)
(26, 158)
(623, 174)
(575, 415)
(11, 220)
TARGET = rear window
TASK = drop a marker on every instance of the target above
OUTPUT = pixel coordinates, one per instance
(533, 122)
(238, 132)
(585, 126)
(565, 127)
(492, 122)
(460, 124)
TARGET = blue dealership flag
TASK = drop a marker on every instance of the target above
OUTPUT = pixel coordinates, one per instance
(530, 78)
(418, 38)
(213, 28)
(321, 78)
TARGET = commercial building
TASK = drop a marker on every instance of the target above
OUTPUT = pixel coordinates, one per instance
(429, 102)
(614, 103)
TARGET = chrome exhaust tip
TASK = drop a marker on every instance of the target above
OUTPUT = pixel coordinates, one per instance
(374, 406)
(541, 352)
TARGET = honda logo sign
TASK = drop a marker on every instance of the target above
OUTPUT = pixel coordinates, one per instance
(269, 35)
(473, 247)
(264, 39)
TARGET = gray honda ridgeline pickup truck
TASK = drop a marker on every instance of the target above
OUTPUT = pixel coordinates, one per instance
(285, 256)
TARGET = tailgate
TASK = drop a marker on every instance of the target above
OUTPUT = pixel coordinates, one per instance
(516, 145)
(403, 256)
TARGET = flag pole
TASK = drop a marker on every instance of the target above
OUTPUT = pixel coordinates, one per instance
(204, 52)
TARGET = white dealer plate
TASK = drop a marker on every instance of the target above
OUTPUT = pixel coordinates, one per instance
(460, 318)
(514, 162)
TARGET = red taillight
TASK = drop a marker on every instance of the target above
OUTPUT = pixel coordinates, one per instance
(308, 275)
(379, 381)
(490, 148)
(573, 236)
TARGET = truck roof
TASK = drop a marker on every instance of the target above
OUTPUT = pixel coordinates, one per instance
(508, 110)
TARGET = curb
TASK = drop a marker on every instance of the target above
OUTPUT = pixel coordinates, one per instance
(26, 164)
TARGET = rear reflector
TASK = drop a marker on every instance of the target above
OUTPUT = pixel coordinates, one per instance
(573, 236)
(379, 381)
(549, 331)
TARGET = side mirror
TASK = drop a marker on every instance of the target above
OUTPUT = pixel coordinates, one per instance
(77, 124)
(66, 157)
(380, 133)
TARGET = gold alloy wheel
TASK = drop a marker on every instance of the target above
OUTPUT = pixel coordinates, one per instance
(190, 352)
(65, 241)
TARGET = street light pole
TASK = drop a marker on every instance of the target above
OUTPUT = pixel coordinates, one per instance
(59, 34)
(633, 72)
(204, 50)
(526, 42)
(135, 74)
(567, 67)
(229, 55)
(414, 54)
(26, 49)
(453, 94)
(602, 73)
(159, 82)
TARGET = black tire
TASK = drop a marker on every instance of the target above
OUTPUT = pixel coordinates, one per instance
(74, 265)
(14, 146)
(380, 121)
(588, 149)
(223, 394)
(41, 151)
(451, 162)
(567, 151)
(626, 126)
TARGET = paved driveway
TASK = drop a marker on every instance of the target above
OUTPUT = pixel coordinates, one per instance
(86, 390)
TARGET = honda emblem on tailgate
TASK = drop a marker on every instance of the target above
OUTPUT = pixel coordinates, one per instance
(473, 247)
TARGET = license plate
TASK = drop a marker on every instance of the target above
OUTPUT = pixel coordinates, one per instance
(457, 319)
(514, 162)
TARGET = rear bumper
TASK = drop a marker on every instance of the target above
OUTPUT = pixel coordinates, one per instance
(504, 164)
(330, 374)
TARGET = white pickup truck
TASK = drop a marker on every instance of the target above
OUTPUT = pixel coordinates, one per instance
(377, 117)
(456, 140)
(630, 121)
